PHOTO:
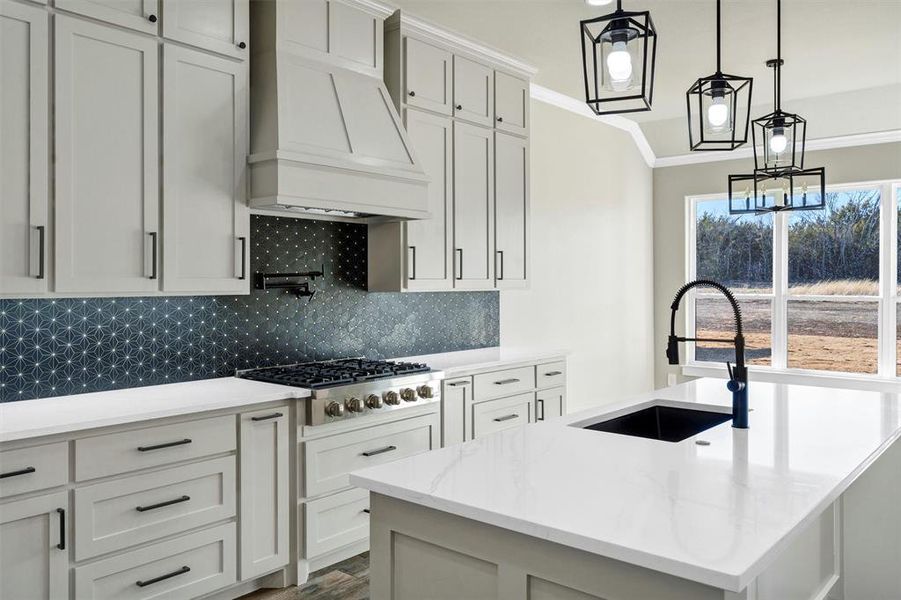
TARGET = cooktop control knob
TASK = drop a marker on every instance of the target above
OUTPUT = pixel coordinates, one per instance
(408, 394)
(425, 391)
(355, 405)
(334, 409)
(374, 401)
(392, 398)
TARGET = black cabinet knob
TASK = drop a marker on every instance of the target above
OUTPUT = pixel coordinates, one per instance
(152, 18)
(459, 107)
(242, 45)
(412, 93)
(500, 119)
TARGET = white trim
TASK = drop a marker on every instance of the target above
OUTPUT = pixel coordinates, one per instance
(800, 377)
(830, 143)
(549, 96)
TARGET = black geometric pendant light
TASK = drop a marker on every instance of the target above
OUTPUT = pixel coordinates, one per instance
(618, 55)
(780, 181)
(719, 106)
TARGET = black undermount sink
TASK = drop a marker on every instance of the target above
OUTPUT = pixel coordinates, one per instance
(664, 423)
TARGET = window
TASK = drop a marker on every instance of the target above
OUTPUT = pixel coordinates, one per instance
(818, 289)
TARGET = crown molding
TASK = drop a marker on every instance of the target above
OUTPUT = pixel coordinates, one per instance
(549, 96)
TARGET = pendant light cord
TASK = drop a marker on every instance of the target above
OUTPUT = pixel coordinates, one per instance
(718, 52)
(778, 55)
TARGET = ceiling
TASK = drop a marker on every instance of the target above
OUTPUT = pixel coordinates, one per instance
(843, 57)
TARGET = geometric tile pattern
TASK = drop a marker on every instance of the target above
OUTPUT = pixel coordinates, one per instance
(52, 347)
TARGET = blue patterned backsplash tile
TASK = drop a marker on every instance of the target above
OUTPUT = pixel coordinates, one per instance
(53, 347)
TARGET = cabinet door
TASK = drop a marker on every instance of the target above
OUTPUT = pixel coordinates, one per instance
(473, 207)
(23, 148)
(473, 91)
(265, 496)
(511, 103)
(429, 241)
(456, 395)
(218, 25)
(107, 159)
(511, 198)
(428, 76)
(206, 222)
(34, 561)
(550, 403)
(142, 15)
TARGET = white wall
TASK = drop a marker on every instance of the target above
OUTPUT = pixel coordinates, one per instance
(592, 258)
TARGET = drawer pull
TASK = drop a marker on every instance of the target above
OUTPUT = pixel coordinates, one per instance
(553, 373)
(181, 571)
(541, 404)
(458, 383)
(267, 417)
(507, 418)
(380, 451)
(62, 528)
(162, 504)
(366, 510)
(24, 471)
(506, 381)
(166, 445)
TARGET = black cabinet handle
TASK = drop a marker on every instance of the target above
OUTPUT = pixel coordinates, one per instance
(24, 471)
(412, 93)
(162, 446)
(413, 262)
(243, 241)
(460, 262)
(152, 18)
(242, 45)
(267, 417)
(366, 510)
(153, 256)
(41, 252)
(541, 404)
(162, 504)
(500, 254)
(553, 373)
(458, 383)
(380, 451)
(62, 528)
(506, 418)
(181, 571)
(506, 381)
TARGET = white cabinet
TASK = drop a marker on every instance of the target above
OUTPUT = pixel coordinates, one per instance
(473, 91)
(550, 403)
(264, 516)
(473, 207)
(217, 25)
(503, 413)
(34, 562)
(205, 221)
(456, 395)
(429, 76)
(107, 161)
(511, 201)
(23, 148)
(142, 15)
(511, 103)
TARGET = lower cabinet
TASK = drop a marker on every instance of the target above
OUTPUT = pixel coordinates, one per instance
(336, 521)
(455, 397)
(549, 403)
(265, 495)
(34, 557)
(504, 413)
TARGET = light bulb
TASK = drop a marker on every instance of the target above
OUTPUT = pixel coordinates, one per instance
(778, 141)
(718, 113)
(597, 2)
(619, 64)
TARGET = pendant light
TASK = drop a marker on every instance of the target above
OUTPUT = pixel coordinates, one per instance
(719, 106)
(618, 55)
(780, 181)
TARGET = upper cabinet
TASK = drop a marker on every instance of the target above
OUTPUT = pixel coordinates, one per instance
(473, 91)
(221, 26)
(511, 209)
(473, 207)
(142, 15)
(23, 148)
(107, 160)
(511, 103)
(429, 76)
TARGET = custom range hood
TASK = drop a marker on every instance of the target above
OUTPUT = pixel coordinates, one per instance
(326, 139)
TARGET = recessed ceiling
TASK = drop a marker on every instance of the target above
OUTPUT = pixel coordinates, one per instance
(842, 57)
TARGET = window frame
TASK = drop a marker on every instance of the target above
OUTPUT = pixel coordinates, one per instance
(888, 298)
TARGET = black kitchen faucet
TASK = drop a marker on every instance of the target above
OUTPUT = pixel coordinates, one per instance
(738, 375)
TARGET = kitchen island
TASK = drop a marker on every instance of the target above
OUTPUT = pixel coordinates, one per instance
(805, 504)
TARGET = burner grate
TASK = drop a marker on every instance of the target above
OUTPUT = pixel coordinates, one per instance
(320, 375)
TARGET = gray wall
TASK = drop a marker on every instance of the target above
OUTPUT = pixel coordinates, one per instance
(673, 184)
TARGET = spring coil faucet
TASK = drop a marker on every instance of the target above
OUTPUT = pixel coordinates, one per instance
(738, 375)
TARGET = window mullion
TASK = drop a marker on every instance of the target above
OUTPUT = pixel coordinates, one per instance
(780, 286)
(888, 240)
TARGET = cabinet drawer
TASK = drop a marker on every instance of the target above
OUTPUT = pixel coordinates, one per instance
(505, 413)
(551, 374)
(327, 461)
(132, 450)
(186, 567)
(117, 514)
(31, 469)
(503, 383)
(336, 521)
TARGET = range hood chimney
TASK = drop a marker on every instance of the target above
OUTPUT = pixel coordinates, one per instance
(326, 139)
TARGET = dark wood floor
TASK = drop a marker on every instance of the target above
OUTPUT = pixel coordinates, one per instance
(347, 580)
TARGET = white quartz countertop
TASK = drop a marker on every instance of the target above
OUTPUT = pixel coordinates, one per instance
(67, 414)
(716, 514)
(469, 362)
